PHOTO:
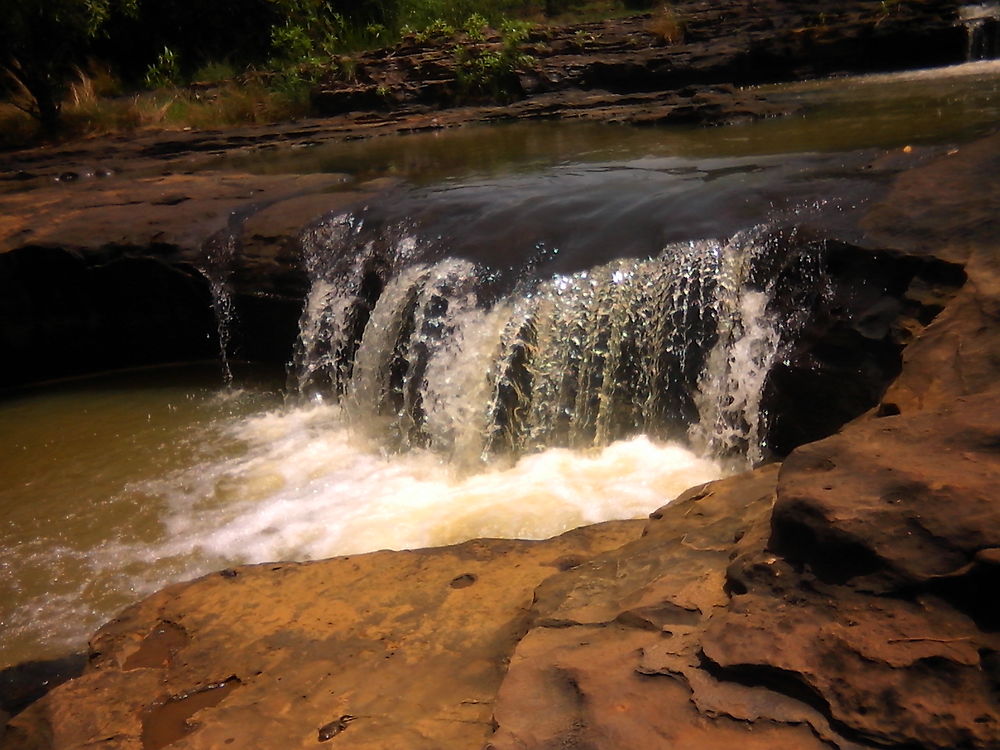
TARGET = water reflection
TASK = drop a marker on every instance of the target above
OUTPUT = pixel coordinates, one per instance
(947, 104)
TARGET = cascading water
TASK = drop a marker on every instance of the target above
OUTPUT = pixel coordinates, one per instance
(677, 347)
(218, 253)
(982, 28)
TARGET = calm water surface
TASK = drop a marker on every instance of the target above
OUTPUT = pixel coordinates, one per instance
(879, 111)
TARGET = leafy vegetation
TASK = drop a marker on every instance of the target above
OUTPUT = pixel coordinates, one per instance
(164, 72)
(262, 55)
(493, 71)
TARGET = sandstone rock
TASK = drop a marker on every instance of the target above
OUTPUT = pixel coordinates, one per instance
(949, 208)
(874, 506)
(614, 658)
(870, 306)
(412, 644)
(119, 274)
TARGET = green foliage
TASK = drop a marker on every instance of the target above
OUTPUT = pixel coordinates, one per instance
(45, 45)
(311, 29)
(419, 15)
(475, 27)
(492, 70)
(165, 72)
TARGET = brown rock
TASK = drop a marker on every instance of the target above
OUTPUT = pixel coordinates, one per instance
(413, 645)
(889, 672)
(613, 661)
(176, 213)
(876, 505)
(116, 273)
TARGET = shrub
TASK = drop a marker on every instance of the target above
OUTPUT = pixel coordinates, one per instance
(493, 70)
(165, 72)
(667, 25)
(475, 27)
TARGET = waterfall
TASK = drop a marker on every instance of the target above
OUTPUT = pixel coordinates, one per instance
(421, 351)
(218, 254)
(981, 22)
(764, 289)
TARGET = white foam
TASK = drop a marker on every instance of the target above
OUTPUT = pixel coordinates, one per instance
(298, 483)
(307, 487)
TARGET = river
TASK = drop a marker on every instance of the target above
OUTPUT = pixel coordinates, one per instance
(572, 323)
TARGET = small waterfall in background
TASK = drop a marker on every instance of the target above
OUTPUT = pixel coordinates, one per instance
(424, 351)
(982, 28)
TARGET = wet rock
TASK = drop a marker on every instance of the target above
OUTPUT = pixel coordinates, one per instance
(63, 316)
(22, 684)
(116, 276)
(874, 304)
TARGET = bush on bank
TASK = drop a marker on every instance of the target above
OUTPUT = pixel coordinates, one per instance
(70, 67)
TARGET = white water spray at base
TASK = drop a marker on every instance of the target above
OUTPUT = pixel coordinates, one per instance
(301, 484)
(308, 487)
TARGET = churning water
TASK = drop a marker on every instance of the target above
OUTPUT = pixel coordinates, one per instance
(510, 356)
(168, 480)
(676, 346)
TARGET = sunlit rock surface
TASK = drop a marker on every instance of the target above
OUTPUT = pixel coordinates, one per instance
(412, 644)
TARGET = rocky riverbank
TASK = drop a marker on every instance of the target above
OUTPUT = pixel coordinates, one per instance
(693, 66)
(842, 598)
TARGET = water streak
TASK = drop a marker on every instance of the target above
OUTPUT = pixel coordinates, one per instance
(981, 22)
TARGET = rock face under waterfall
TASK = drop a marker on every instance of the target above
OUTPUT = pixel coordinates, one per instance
(72, 264)
(842, 599)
